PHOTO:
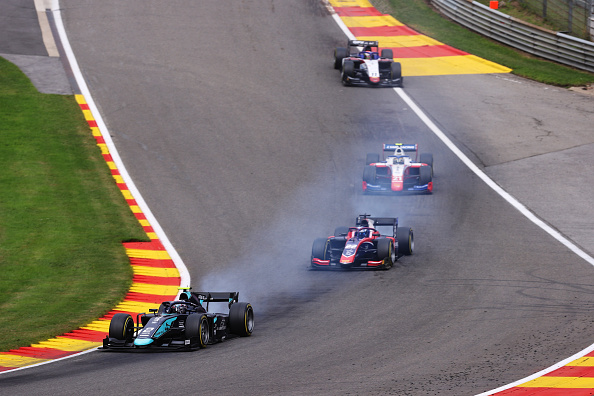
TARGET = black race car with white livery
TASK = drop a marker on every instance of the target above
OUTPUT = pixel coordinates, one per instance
(182, 324)
(361, 63)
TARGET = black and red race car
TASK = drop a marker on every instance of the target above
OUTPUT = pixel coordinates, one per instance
(360, 63)
(363, 246)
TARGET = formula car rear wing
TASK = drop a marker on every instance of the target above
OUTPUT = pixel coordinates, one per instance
(378, 222)
(354, 46)
(384, 221)
(208, 297)
(407, 148)
(217, 296)
(363, 43)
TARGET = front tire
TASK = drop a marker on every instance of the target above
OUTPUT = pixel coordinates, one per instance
(396, 73)
(241, 319)
(425, 175)
(348, 70)
(121, 327)
(386, 252)
(197, 329)
(369, 174)
(406, 241)
(339, 54)
(319, 249)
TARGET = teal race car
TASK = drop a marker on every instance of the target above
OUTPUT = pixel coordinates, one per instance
(182, 324)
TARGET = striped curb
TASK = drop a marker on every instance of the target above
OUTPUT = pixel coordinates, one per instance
(155, 279)
(576, 378)
(419, 55)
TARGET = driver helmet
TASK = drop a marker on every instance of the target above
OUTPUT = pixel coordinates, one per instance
(181, 308)
(362, 234)
(367, 55)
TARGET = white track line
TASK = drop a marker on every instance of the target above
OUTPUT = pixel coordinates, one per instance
(519, 206)
(48, 362)
(46, 32)
(507, 196)
(183, 270)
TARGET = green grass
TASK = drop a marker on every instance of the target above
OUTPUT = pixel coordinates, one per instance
(420, 16)
(62, 218)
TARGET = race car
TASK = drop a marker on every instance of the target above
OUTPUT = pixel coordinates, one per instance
(398, 171)
(182, 324)
(363, 246)
(367, 67)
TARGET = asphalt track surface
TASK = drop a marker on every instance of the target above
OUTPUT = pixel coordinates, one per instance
(236, 130)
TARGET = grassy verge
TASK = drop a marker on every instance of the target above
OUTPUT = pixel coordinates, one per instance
(420, 16)
(62, 218)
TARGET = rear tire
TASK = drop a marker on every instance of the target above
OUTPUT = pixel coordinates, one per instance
(427, 158)
(241, 319)
(372, 158)
(339, 54)
(406, 241)
(387, 53)
(144, 319)
(386, 252)
(121, 327)
(341, 231)
(197, 329)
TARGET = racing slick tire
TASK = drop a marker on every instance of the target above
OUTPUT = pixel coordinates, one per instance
(425, 175)
(319, 249)
(341, 231)
(387, 53)
(121, 327)
(396, 73)
(369, 174)
(427, 158)
(372, 158)
(241, 319)
(197, 329)
(386, 252)
(406, 240)
(348, 70)
(339, 54)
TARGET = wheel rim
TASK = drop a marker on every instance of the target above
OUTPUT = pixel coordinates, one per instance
(392, 254)
(127, 326)
(204, 332)
(249, 320)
